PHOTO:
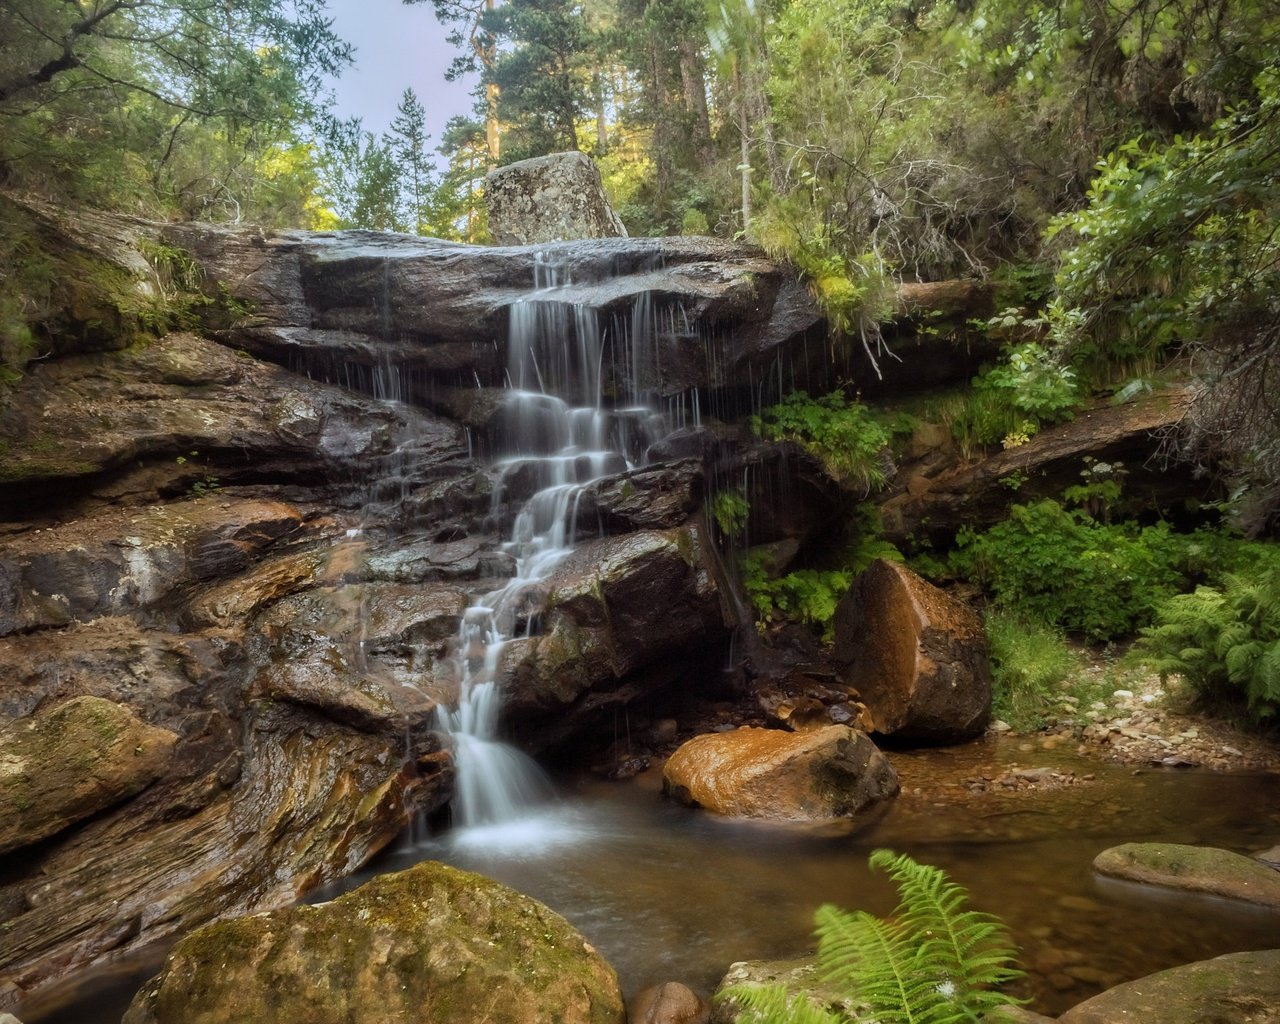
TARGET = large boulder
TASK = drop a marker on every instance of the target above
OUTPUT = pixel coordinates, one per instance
(70, 762)
(820, 775)
(916, 657)
(433, 945)
(551, 198)
(1201, 869)
(1243, 988)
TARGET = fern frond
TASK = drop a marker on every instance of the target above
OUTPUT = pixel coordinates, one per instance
(775, 1004)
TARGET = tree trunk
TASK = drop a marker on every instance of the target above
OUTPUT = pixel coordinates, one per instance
(694, 81)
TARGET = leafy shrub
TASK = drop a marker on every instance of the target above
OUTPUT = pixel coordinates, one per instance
(844, 435)
(1029, 663)
(730, 510)
(1062, 568)
(1225, 641)
(932, 962)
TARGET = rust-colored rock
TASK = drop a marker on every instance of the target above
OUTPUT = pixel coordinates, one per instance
(819, 775)
(668, 1003)
(917, 657)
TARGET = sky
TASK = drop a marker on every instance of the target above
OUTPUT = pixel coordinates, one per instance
(397, 46)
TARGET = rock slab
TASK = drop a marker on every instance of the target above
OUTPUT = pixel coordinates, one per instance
(1202, 869)
(917, 657)
(432, 944)
(68, 763)
(553, 198)
(822, 775)
(1243, 988)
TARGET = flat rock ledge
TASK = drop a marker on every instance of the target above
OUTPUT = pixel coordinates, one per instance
(1200, 869)
(817, 776)
(430, 945)
(1241, 988)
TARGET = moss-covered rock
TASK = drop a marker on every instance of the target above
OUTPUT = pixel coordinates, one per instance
(431, 944)
(68, 763)
(1243, 988)
(1193, 869)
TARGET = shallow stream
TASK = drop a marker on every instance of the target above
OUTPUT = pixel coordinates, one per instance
(666, 893)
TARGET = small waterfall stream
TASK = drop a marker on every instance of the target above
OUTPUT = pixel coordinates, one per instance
(557, 437)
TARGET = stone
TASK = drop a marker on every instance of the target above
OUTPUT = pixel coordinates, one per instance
(1199, 869)
(800, 976)
(1015, 1015)
(819, 775)
(916, 657)
(1238, 987)
(430, 945)
(1269, 856)
(69, 762)
(669, 1003)
(551, 198)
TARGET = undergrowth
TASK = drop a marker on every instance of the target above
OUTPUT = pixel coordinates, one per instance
(1031, 663)
(844, 435)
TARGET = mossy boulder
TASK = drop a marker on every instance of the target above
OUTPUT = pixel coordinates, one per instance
(821, 775)
(1203, 869)
(68, 763)
(432, 944)
(1238, 987)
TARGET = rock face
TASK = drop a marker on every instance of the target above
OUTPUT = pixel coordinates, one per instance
(1193, 869)
(916, 657)
(553, 198)
(828, 773)
(70, 762)
(1238, 987)
(428, 945)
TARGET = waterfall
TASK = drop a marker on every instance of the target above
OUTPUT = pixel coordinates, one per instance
(557, 437)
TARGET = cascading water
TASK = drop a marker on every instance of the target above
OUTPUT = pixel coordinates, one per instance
(557, 438)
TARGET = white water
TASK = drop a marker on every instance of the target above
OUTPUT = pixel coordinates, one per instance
(558, 437)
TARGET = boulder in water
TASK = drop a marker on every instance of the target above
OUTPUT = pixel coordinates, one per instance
(668, 1003)
(551, 198)
(1238, 987)
(917, 657)
(821, 775)
(1193, 869)
(431, 944)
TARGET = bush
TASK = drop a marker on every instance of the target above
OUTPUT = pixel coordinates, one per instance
(1225, 641)
(1062, 568)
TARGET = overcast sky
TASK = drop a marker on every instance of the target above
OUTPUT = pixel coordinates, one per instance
(397, 46)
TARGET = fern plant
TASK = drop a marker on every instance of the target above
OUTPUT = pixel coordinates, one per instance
(1224, 641)
(933, 961)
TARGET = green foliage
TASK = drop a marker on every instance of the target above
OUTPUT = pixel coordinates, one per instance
(1061, 567)
(1225, 640)
(1030, 661)
(844, 435)
(934, 961)
(730, 510)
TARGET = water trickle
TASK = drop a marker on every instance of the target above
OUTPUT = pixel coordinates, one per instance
(557, 436)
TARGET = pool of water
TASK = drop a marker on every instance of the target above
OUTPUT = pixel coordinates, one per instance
(671, 894)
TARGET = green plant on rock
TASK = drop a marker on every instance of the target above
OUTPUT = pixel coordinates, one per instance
(843, 435)
(730, 511)
(933, 961)
(1225, 641)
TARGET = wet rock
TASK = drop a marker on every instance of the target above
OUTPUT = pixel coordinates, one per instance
(916, 657)
(828, 773)
(652, 498)
(1236, 987)
(1192, 869)
(550, 198)
(432, 944)
(801, 977)
(1270, 856)
(70, 762)
(669, 1003)
(614, 607)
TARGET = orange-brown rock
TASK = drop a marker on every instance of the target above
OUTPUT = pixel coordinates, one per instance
(917, 657)
(766, 773)
(668, 1003)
